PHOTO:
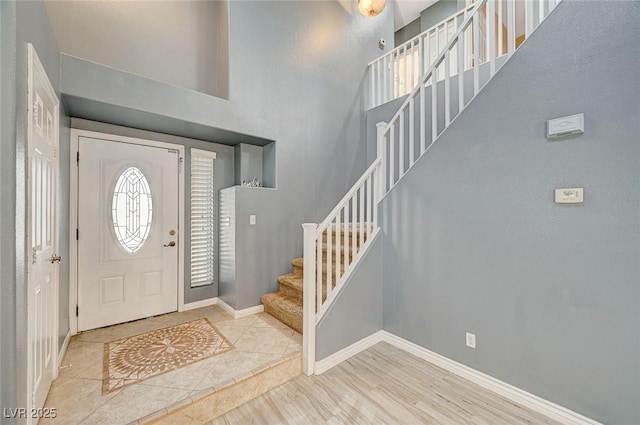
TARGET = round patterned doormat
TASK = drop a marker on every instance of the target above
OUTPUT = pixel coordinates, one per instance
(133, 359)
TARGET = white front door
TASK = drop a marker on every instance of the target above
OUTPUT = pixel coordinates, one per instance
(42, 235)
(127, 232)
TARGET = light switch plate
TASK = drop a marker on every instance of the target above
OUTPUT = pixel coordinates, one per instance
(570, 195)
(252, 219)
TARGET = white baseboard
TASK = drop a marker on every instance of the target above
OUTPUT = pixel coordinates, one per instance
(528, 400)
(237, 314)
(533, 402)
(63, 350)
(327, 363)
(200, 304)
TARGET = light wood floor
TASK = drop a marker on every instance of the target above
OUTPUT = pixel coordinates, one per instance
(382, 385)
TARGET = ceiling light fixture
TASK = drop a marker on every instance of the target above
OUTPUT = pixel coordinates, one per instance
(370, 8)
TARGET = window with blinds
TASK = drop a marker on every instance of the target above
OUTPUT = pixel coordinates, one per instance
(203, 218)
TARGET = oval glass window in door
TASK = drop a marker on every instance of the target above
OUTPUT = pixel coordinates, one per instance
(132, 209)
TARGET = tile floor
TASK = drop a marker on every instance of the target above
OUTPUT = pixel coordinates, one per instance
(77, 392)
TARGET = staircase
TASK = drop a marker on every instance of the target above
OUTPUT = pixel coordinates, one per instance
(479, 41)
(286, 304)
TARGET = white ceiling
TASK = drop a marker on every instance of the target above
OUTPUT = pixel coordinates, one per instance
(407, 10)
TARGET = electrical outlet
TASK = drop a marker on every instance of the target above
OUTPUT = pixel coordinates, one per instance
(252, 220)
(471, 340)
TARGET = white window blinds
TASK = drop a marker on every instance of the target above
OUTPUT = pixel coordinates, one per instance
(203, 215)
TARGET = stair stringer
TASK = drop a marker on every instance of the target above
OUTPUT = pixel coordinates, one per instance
(356, 310)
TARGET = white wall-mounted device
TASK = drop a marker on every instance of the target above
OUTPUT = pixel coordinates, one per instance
(573, 195)
(566, 126)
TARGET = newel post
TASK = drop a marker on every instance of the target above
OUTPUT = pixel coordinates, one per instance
(380, 180)
(308, 299)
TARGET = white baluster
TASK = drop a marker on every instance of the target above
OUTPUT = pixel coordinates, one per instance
(385, 78)
(447, 90)
(500, 29)
(370, 203)
(319, 279)
(361, 216)
(434, 106)
(420, 58)
(491, 36)
(411, 133)
(392, 156)
(423, 131)
(407, 88)
(345, 234)
(329, 244)
(309, 315)
(401, 146)
(337, 255)
(511, 30)
(460, 72)
(381, 173)
(354, 207)
(476, 54)
(528, 13)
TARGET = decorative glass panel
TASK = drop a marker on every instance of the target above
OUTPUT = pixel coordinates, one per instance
(132, 209)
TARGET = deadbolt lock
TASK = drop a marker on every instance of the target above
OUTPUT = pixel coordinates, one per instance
(172, 232)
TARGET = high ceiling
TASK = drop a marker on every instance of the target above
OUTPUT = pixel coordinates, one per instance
(408, 10)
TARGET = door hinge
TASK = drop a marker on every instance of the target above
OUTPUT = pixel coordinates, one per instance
(77, 310)
(77, 234)
(180, 161)
(78, 157)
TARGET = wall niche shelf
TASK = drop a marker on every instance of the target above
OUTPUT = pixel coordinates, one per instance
(255, 166)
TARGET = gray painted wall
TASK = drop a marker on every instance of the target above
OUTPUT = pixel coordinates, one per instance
(357, 311)
(302, 86)
(139, 37)
(438, 11)
(7, 204)
(428, 18)
(550, 291)
(245, 250)
(248, 163)
(224, 177)
(22, 22)
(227, 257)
(407, 32)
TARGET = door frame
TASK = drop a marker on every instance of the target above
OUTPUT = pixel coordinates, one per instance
(35, 67)
(73, 212)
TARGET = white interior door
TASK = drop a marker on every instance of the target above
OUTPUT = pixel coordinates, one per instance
(127, 232)
(42, 235)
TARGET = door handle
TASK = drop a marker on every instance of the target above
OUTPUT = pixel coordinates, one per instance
(55, 259)
(172, 243)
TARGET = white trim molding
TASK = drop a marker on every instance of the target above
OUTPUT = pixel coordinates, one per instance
(63, 351)
(238, 314)
(321, 366)
(517, 395)
(199, 304)
(531, 401)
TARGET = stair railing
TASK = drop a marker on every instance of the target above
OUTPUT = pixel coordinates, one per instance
(430, 108)
(397, 72)
(353, 224)
(332, 249)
